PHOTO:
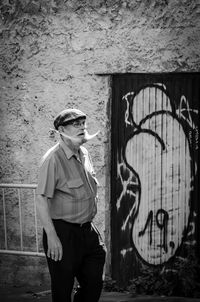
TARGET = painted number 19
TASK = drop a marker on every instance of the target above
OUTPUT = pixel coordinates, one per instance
(161, 221)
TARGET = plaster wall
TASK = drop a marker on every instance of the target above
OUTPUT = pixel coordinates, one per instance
(58, 54)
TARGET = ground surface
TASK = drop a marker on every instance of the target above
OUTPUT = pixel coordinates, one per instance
(10, 294)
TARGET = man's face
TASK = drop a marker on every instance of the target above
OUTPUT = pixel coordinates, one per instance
(76, 128)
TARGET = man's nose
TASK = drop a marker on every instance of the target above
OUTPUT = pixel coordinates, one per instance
(83, 126)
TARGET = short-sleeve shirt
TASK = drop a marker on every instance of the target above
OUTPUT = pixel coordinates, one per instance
(68, 183)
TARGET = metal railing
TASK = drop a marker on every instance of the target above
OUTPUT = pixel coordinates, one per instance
(21, 250)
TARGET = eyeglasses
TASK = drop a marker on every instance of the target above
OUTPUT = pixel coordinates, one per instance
(76, 123)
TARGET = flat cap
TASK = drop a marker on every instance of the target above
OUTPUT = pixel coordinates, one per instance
(68, 115)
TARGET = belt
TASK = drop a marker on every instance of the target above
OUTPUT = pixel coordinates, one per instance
(81, 225)
(78, 225)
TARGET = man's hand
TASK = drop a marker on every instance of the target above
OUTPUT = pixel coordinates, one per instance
(55, 250)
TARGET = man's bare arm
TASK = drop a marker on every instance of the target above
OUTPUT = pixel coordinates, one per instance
(54, 245)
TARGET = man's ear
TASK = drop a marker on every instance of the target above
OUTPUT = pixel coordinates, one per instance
(61, 129)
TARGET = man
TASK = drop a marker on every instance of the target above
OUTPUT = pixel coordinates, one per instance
(66, 203)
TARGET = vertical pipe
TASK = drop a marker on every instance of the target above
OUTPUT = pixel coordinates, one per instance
(155, 204)
(36, 226)
(145, 168)
(137, 168)
(20, 219)
(179, 175)
(4, 220)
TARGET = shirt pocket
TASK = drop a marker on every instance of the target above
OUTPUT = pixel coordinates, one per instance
(77, 189)
(75, 183)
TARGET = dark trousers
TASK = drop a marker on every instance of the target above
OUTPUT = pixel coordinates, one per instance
(83, 258)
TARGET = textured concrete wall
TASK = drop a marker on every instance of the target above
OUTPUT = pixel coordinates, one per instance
(51, 53)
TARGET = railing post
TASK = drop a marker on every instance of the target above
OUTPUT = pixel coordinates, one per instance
(4, 220)
(36, 225)
(20, 219)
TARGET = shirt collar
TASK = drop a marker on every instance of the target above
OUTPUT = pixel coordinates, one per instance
(68, 151)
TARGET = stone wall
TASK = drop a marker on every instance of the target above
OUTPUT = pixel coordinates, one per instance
(58, 54)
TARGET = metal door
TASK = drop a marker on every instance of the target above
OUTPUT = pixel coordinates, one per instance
(155, 176)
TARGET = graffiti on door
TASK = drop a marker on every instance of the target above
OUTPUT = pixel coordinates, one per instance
(159, 171)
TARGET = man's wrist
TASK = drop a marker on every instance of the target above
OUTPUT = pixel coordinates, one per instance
(50, 231)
